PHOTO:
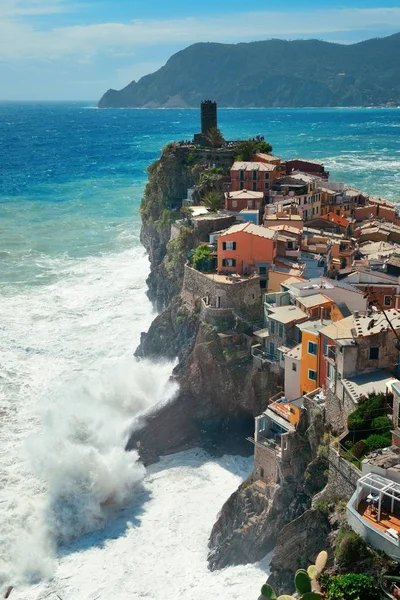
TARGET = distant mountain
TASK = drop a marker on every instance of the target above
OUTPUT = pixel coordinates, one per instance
(271, 73)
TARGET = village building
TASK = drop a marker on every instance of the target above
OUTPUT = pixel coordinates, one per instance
(247, 249)
(236, 201)
(253, 176)
(361, 354)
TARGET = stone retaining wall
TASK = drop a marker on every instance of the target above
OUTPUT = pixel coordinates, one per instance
(243, 297)
(343, 476)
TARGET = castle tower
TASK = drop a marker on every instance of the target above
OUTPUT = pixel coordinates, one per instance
(208, 116)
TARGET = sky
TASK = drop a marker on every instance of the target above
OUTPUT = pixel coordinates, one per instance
(77, 49)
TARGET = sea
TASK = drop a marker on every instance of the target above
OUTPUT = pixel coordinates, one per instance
(80, 517)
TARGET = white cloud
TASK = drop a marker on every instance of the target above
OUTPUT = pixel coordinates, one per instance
(20, 39)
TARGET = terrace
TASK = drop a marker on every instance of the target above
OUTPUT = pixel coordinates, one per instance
(374, 512)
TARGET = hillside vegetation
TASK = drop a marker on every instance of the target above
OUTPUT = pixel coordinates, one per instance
(271, 73)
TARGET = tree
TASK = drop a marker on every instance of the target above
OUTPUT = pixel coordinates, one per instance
(213, 200)
(202, 258)
(215, 137)
(247, 148)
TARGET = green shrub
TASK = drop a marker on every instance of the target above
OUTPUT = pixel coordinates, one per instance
(355, 421)
(202, 258)
(350, 548)
(359, 449)
(352, 587)
(323, 506)
(382, 424)
(377, 441)
(368, 409)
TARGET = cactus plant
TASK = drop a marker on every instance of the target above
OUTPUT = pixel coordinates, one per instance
(302, 582)
(268, 592)
(306, 582)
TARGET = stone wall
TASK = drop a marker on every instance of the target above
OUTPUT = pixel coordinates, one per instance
(222, 318)
(206, 224)
(265, 464)
(337, 411)
(243, 297)
(342, 478)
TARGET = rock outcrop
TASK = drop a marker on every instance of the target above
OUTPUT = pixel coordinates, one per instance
(219, 392)
(255, 516)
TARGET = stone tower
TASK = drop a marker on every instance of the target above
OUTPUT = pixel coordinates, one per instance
(208, 116)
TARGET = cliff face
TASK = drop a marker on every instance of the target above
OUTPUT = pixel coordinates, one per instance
(169, 179)
(256, 515)
(219, 391)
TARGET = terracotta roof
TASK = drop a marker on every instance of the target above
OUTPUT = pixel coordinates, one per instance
(313, 300)
(245, 195)
(252, 166)
(363, 325)
(251, 229)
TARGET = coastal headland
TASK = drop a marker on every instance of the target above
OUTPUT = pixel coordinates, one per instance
(278, 293)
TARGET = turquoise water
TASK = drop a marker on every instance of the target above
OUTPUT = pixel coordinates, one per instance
(72, 176)
(72, 306)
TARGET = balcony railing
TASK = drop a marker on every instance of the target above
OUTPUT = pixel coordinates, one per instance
(261, 354)
(331, 353)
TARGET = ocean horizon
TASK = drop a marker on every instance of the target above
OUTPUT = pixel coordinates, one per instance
(78, 514)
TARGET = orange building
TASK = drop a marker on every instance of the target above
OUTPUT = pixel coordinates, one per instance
(310, 354)
(246, 248)
(253, 176)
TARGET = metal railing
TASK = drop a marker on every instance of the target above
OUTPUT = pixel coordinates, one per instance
(257, 352)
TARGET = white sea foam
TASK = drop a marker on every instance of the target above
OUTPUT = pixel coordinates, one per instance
(70, 392)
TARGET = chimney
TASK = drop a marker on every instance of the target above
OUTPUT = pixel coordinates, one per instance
(356, 314)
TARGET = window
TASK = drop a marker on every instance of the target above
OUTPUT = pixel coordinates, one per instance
(262, 270)
(261, 472)
(229, 245)
(272, 326)
(267, 185)
(312, 348)
(387, 300)
(325, 346)
(312, 375)
(234, 203)
(242, 185)
(290, 245)
(241, 175)
(294, 367)
(266, 175)
(331, 372)
(272, 348)
(254, 186)
(281, 330)
(229, 262)
(373, 353)
(255, 175)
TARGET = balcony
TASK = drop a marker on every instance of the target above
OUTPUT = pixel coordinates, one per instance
(258, 352)
(331, 353)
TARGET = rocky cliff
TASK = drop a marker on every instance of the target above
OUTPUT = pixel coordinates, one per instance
(256, 515)
(219, 391)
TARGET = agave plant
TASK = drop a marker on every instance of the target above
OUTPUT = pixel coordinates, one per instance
(306, 582)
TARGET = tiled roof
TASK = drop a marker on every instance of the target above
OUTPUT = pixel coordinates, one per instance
(251, 229)
(245, 195)
(313, 300)
(363, 325)
(252, 166)
(287, 314)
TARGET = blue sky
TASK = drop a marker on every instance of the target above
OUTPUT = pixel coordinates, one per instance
(77, 49)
